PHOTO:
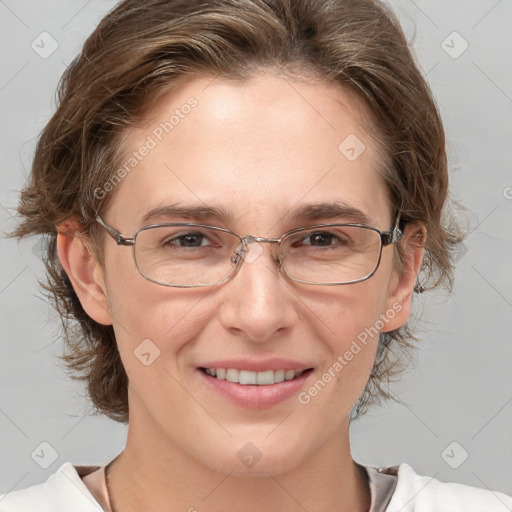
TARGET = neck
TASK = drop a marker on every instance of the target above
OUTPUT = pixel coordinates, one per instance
(147, 477)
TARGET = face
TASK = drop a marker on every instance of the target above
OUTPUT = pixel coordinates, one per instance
(258, 151)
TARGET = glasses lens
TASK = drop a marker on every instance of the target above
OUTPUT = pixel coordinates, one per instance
(331, 254)
(183, 255)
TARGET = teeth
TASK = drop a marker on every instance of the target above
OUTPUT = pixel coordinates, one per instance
(246, 377)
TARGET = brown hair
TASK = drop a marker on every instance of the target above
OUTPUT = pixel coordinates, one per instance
(143, 48)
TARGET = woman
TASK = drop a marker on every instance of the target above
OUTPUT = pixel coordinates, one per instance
(239, 198)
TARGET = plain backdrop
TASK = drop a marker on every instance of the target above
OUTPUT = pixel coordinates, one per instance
(455, 418)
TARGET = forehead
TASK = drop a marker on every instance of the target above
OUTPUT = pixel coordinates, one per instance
(256, 149)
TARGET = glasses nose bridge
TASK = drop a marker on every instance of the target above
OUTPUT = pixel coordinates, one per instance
(250, 238)
(246, 240)
(260, 239)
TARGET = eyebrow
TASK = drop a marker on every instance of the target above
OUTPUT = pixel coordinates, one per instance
(305, 212)
(330, 211)
(201, 212)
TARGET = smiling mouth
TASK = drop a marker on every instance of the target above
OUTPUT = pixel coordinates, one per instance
(249, 378)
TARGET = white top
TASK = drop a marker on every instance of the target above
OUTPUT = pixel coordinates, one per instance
(392, 489)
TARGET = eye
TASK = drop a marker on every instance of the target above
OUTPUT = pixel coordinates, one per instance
(191, 240)
(323, 239)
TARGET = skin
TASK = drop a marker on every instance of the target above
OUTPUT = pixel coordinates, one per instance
(258, 150)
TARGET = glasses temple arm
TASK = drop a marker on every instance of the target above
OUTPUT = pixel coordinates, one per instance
(118, 237)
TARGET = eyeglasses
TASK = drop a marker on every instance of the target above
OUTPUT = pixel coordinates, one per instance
(189, 255)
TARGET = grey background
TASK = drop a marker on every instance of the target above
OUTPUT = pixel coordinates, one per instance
(460, 386)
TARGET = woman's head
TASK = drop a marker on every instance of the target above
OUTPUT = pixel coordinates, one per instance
(256, 107)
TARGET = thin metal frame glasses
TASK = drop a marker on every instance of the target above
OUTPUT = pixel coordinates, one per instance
(385, 238)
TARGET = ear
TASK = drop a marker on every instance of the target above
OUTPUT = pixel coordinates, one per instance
(402, 283)
(84, 272)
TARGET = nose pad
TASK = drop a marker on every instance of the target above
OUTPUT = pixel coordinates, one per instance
(239, 253)
(243, 251)
(255, 252)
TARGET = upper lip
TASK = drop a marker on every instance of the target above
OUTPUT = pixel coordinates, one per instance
(257, 365)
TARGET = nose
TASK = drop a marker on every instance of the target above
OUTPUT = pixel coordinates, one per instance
(258, 302)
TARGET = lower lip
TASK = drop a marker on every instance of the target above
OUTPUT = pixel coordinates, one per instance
(256, 397)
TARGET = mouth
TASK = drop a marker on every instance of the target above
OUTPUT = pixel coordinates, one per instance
(251, 378)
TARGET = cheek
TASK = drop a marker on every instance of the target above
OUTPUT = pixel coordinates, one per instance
(350, 310)
(352, 347)
(148, 317)
(351, 320)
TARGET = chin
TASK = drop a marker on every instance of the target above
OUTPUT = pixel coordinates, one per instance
(255, 455)
(275, 464)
